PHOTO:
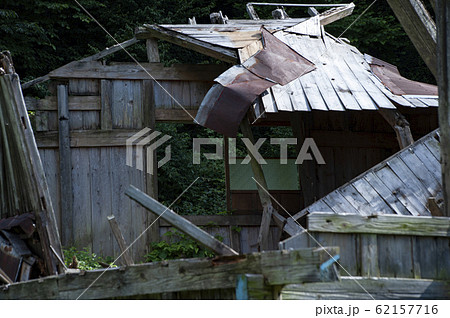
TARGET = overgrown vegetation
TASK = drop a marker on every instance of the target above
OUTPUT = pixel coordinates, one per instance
(85, 259)
(177, 245)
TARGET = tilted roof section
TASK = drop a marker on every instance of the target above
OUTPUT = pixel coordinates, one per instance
(399, 185)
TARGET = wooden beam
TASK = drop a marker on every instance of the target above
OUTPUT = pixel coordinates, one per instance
(400, 125)
(216, 51)
(179, 222)
(261, 184)
(131, 71)
(443, 48)
(75, 103)
(152, 50)
(379, 224)
(378, 288)
(97, 56)
(65, 165)
(128, 260)
(277, 267)
(110, 50)
(420, 27)
(335, 14)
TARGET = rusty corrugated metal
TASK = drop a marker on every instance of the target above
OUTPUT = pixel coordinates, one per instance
(397, 84)
(227, 102)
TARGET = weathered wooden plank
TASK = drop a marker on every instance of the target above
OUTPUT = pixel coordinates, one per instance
(131, 71)
(179, 222)
(395, 256)
(420, 27)
(278, 268)
(396, 186)
(120, 240)
(377, 288)
(152, 50)
(379, 224)
(75, 103)
(369, 255)
(372, 197)
(65, 166)
(216, 51)
(81, 228)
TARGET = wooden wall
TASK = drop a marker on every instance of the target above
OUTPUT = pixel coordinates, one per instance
(103, 113)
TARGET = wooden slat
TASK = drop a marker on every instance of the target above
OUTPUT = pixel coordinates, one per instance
(106, 91)
(131, 71)
(379, 224)
(75, 103)
(378, 288)
(125, 252)
(277, 267)
(65, 166)
(420, 27)
(179, 222)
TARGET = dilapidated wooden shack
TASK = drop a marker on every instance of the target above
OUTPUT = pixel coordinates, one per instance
(376, 186)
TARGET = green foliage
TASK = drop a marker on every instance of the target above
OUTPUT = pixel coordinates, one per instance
(178, 245)
(207, 195)
(86, 260)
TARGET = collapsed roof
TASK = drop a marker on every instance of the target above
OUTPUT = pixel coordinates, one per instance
(337, 78)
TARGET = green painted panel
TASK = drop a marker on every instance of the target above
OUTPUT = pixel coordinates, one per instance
(278, 176)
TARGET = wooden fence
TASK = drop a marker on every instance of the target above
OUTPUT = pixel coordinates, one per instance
(382, 245)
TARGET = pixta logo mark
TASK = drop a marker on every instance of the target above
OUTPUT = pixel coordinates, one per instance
(145, 149)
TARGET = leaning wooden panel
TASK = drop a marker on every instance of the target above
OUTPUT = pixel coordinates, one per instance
(369, 288)
(379, 224)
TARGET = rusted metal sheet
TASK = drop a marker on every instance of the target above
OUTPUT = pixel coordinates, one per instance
(391, 78)
(226, 103)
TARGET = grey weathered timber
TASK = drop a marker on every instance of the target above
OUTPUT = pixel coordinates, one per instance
(128, 260)
(152, 50)
(400, 125)
(369, 255)
(25, 166)
(335, 14)
(277, 267)
(261, 184)
(97, 56)
(443, 55)
(110, 50)
(179, 222)
(420, 27)
(379, 224)
(65, 165)
(377, 288)
(182, 72)
(106, 94)
(151, 180)
(216, 51)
